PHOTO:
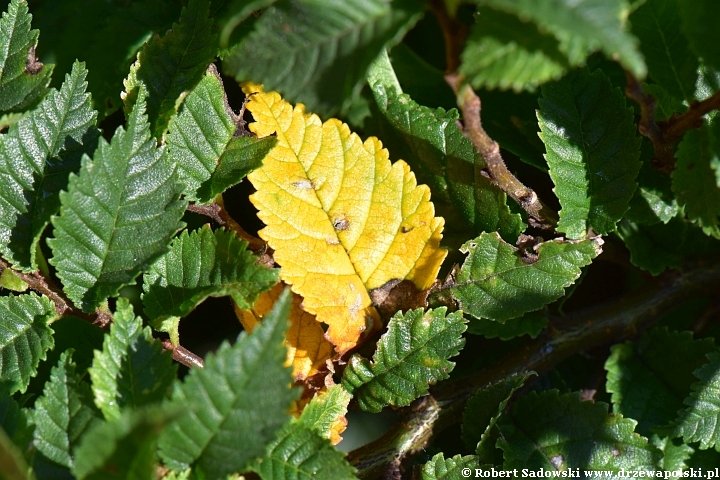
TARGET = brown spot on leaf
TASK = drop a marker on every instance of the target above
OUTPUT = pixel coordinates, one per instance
(691, 166)
(405, 229)
(341, 223)
(32, 66)
(397, 295)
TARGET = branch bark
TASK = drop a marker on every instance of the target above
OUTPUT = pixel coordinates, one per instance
(454, 34)
(579, 331)
(540, 215)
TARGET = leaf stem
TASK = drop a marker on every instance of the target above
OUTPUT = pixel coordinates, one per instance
(540, 215)
(216, 211)
(578, 331)
(183, 356)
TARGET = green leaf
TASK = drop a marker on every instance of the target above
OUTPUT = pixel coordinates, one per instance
(323, 411)
(699, 21)
(560, 432)
(412, 355)
(694, 182)
(63, 413)
(22, 84)
(484, 409)
(653, 201)
(25, 338)
(496, 282)
(318, 51)
(670, 62)
(173, 64)
(675, 454)
(229, 16)
(204, 264)
(234, 406)
(592, 150)
(441, 468)
(441, 156)
(657, 247)
(700, 420)
(582, 26)
(650, 378)
(9, 280)
(16, 422)
(122, 449)
(117, 216)
(300, 453)
(12, 462)
(666, 105)
(202, 142)
(36, 157)
(106, 35)
(531, 323)
(132, 370)
(504, 52)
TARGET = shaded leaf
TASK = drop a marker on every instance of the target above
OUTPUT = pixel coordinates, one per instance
(341, 218)
(117, 216)
(443, 468)
(531, 324)
(106, 35)
(36, 156)
(308, 349)
(592, 151)
(582, 26)
(649, 378)
(132, 370)
(123, 448)
(412, 355)
(560, 432)
(482, 412)
(63, 413)
(670, 62)
(496, 282)
(442, 157)
(653, 201)
(698, 22)
(318, 52)
(675, 454)
(694, 181)
(229, 16)
(204, 264)
(700, 420)
(25, 338)
(173, 64)
(22, 82)
(202, 142)
(658, 247)
(300, 453)
(235, 405)
(505, 52)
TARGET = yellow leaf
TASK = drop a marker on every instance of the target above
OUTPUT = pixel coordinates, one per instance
(308, 350)
(341, 218)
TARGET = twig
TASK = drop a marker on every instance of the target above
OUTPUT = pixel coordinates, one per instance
(664, 159)
(63, 306)
(217, 212)
(578, 331)
(469, 102)
(454, 33)
(183, 355)
(665, 134)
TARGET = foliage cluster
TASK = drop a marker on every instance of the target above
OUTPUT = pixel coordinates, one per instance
(560, 327)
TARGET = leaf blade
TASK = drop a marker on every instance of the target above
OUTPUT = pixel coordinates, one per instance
(35, 157)
(592, 151)
(412, 355)
(224, 395)
(317, 207)
(133, 185)
(25, 337)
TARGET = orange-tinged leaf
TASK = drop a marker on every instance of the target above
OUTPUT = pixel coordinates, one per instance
(341, 218)
(308, 350)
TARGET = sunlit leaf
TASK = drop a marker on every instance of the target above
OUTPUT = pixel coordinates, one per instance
(341, 218)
